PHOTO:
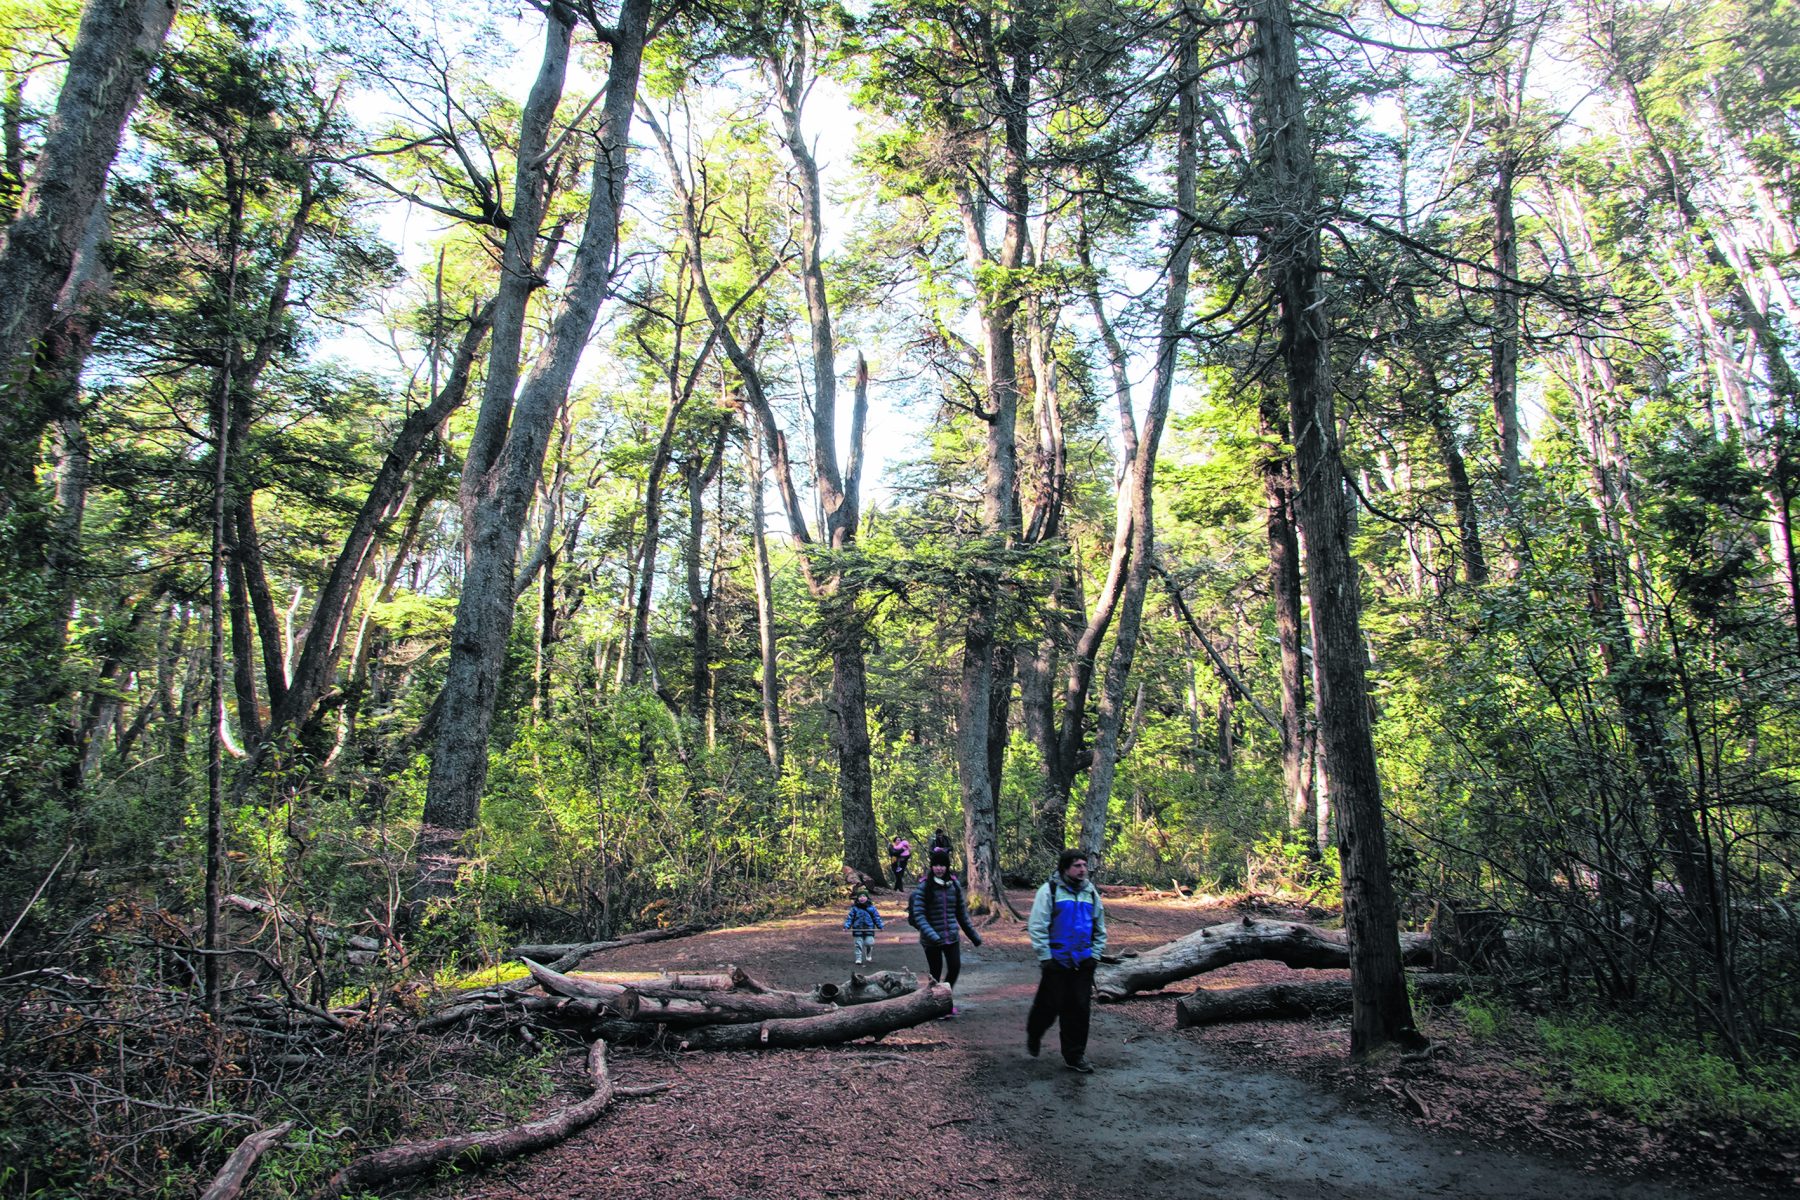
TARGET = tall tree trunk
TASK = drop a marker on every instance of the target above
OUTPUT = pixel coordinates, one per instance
(765, 607)
(1141, 488)
(1504, 353)
(699, 476)
(1284, 587)
(839, 491)
(1382, 1014)
(788, 68)
(1643, 690)
(506, 455)
(114, 47)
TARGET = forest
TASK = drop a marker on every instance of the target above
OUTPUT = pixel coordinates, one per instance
(508, 475)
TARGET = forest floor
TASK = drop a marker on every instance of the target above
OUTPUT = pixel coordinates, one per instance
(1259, 1111)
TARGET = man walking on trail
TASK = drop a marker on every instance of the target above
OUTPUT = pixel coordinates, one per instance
(1068, 931)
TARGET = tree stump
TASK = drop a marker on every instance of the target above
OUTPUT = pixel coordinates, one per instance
(1466, 936)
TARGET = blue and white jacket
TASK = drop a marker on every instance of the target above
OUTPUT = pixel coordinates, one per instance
(1068, 924)
(862, 918)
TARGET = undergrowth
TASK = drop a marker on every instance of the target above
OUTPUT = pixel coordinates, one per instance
(1607, 1062)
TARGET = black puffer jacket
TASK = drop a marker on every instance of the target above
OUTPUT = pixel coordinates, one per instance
(937, 908)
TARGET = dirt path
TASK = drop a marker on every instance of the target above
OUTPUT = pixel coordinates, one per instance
(957, 1106)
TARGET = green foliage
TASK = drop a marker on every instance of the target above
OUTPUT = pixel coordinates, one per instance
(1647, 1076)
(1481, 1019)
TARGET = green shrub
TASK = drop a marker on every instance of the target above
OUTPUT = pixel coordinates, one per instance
(1653, 1080)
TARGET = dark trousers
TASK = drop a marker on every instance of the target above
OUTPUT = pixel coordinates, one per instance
(1064, 995)
(899, 869)
(947, 957)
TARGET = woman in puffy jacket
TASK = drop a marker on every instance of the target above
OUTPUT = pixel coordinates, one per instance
(937, 910)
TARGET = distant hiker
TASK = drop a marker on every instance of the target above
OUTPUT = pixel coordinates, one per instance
(862, 921)
(899, 855)
(940, 840)
(1068, 931)
(936, 910)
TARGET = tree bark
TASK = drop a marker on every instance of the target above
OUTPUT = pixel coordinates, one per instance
(506, 454)
(699, 477)
(232, 1177)
(114, 47)
(765, 607)
(839, 490)
(1284, 588)
(1383, 1015)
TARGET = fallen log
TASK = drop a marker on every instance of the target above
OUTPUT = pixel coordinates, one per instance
(726, 1008)
(1279, 1001)
(563, 955)
(617, 995)
(839, 1025)
(409, 1159)
(236, 1172)
(867, 989)
(670, 1007)
(1243, 941)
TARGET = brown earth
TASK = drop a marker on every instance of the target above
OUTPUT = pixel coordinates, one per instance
(1264, 1110)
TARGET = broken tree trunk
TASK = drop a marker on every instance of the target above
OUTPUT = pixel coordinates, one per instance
(1221, 945)
(867, 989)
(1284, 1000)
(478, 1149)
(839, 1025)
(655, 1003)
(232, 1176)
(1467, 936)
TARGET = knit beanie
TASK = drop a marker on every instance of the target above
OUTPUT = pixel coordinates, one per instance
(940, 857)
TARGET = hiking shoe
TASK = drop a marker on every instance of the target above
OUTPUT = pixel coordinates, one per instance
(1081, 1065)
(1034, 1044)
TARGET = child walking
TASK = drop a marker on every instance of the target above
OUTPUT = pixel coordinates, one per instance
(862, 921)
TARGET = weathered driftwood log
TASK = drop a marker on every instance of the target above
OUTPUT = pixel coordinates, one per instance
(670, 1007)
(511, 1007)
(1212, 1006)
(236, 1172)
(1242, 941)
(867, 989)
(726, 1008)
(478, 1149)
(560, 956)
(621, 998)
(839, 1025)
